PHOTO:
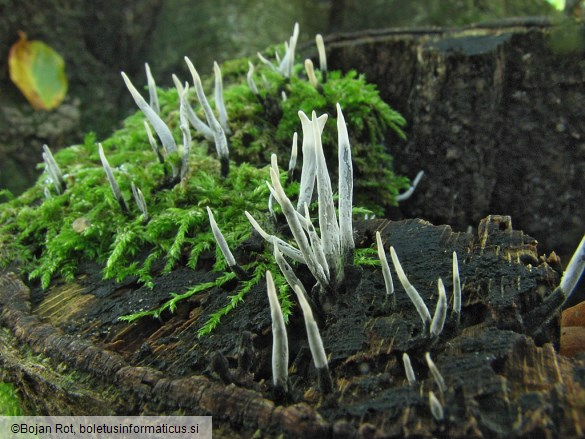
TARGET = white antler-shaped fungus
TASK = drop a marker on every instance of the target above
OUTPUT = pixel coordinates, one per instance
(345, 172)
(279, 338)
(219, 137)
(415, 298)
(440, 310)
(53, 169)
(152, 94)
(161, 128)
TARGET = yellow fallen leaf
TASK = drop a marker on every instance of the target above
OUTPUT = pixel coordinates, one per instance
(39, 72)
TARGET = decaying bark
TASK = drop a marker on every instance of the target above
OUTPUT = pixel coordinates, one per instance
(495, 119)
(68, 354)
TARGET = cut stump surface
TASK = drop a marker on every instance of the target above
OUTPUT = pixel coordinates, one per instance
(69, 354)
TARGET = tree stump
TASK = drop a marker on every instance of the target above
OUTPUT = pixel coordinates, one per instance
(479, 112)
(69, 354)
(496, 120)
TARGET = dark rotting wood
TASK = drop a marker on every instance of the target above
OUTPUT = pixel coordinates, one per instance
(494, 119)
(499, 381)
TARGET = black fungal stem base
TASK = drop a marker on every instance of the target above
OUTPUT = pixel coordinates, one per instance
(240, 273)
(225, 166)
(325, 381)
(124, 206)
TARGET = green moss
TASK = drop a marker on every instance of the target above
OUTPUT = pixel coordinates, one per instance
(10, 404)
(50, 237)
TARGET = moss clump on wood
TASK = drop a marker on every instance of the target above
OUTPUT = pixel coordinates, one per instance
(46, 235)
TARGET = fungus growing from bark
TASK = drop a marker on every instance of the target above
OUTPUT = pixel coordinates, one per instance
(224, 248)
(161, 128)
(437, 377)
(309, 159)
(279, 338)
(412, 293)
(184, 126)
(456, 289)
(152, 141)
(440, 311)
(335, 242)
(285, 65)
(574, 270)
(293, 157)
(221, 144)
(408, 369)
(322, 56)
(408, 193)
(199, 126)
(315, 343)
(436, 407)
(311, 73)
(250, 79)
(112, 180)
(286, 269)
(152, 94)
(219, 102)
(53, 169)
(345, 172)
(140, 201)
(385, 268)
(297, 229)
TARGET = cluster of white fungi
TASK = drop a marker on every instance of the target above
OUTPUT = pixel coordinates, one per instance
(326, 252)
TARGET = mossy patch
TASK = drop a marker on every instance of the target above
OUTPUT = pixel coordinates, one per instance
(10, 404)
(48, 235)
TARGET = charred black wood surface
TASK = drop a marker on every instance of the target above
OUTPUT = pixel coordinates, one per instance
(69, 354)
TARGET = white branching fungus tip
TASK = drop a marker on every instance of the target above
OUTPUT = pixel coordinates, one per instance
(310, 69)
(153, 143)
(140, 202)
(385, 267)
(266, 61)
(293, 156)
(408, 193)
(322, 55)
(296, 227)
(437, 377)
(219, 102)
(152, 94)
(436, 407)
(161, 128)
(456, 287)
(111, 179)
(415, 298)
(286, 269)
(327, 216)
(184, 126)
(195, 122)
(250, 79)
(315, 341)
(574, 270)
(53, 169)
(279, 338)
(219, 137)
(284, 246)
(345, 172)
(316, 244)
(221, 242)
(309, 159)
(408, 369)
(440, 310)
(285, 65)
